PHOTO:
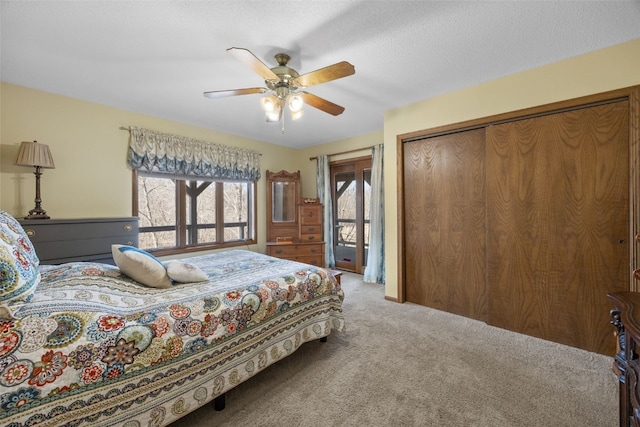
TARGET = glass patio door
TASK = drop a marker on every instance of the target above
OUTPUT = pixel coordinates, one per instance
(351, 188)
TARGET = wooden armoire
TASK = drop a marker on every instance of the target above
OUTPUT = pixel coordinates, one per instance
(294, 227)
(526, 220)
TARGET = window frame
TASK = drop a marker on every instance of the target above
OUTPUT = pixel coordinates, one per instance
(181, 207)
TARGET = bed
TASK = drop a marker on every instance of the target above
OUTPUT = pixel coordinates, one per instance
(84, 344)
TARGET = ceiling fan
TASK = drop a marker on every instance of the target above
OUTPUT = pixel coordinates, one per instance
(285, 83)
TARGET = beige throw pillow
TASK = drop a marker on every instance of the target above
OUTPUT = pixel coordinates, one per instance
(185, 272)
(141, 266)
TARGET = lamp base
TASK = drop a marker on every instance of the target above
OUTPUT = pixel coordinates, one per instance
(37, 217)
(37, 214)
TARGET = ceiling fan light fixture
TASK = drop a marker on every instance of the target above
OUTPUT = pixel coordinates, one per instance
(269, 104)
(275, 114)
(295, 103)
(295, 115)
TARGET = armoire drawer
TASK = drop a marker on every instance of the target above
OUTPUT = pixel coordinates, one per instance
(311, 237)
(311, 229)
(289, 251)
(317, 260)
(310, 214)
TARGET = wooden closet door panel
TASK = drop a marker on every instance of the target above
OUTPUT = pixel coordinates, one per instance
(444, 184)
(557, 224)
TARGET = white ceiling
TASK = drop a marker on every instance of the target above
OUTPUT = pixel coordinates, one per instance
(157, 57)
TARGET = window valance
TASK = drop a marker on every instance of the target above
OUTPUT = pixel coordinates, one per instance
(153, 151)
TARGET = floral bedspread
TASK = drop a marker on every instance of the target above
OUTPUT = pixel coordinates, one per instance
(94, 347)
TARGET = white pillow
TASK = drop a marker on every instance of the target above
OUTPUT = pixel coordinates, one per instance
(181, 271)
(141, 266)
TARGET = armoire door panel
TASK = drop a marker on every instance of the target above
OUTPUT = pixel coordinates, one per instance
(444, 185)
(557, 223)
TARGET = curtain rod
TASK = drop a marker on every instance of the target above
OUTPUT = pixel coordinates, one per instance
(344, 152)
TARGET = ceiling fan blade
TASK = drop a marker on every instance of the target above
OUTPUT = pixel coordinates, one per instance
(250, 60)
(326, 74)
(234, 92)
(321, 103)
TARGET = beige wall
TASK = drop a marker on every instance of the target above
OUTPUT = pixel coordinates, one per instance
(91, 178)
(599, 71)
(101, 187)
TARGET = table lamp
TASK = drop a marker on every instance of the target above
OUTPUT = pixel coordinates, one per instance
(38, 156)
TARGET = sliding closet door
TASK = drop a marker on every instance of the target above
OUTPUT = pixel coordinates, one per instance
(444, 208)
(557, 224)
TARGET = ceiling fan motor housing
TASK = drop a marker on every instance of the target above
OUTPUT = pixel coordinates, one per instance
(285, 85)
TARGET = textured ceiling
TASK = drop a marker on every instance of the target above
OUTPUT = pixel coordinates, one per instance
(157, 57)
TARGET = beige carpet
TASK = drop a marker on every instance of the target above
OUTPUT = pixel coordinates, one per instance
(408, 365)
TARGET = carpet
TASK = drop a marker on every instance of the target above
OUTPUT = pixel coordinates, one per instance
(409, 365)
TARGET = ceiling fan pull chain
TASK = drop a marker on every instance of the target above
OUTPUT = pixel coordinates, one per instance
(283, 122)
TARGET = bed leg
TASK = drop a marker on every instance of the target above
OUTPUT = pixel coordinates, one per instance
(323, 339)
(219, 402)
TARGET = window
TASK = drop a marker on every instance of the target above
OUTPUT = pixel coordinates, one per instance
(183, 214)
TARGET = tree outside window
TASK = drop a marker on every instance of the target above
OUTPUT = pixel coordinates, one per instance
(178, 214)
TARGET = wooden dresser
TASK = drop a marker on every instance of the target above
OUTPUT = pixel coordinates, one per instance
(309, 248)
(87, 239)
(626, 363)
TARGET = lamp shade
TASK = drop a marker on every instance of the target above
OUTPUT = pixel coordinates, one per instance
(31, 153)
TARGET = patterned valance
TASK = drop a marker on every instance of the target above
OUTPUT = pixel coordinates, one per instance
(183, 157)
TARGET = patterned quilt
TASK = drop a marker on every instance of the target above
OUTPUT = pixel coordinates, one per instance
(95, 348)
